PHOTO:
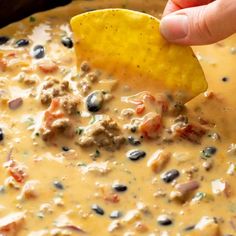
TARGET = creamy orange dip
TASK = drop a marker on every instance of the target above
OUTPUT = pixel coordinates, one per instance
(83, 154)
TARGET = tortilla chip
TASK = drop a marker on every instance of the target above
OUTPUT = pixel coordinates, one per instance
(128, 45)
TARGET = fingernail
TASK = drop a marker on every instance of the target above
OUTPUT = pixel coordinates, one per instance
(174, 27)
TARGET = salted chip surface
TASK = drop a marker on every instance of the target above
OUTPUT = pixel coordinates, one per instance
(128, 44)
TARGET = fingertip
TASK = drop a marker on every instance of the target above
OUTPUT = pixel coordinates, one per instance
(174, 27)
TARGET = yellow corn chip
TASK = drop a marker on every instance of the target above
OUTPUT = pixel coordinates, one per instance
(128, 44)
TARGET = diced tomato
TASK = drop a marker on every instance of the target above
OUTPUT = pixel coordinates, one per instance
(16, 170)
(164, 104)
(140, 109)
(18, 175)
(209, 95)
(50, 117)
(10, 224)
(206, 122)
(11, 54)
(151, 126)
(191, 132)
(3, 64)
(48, 67)
(141, 98)
(148, 101)
(149, 97)
(212, 96)
(113, 198)
(141, 227)
(53, 112)
(55, 104)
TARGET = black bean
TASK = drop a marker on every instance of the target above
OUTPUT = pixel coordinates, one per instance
(2, 189)
(67, 42)
(119, 187)
(133, 129)
(135, 155)
(225, 79)
(22, 42)
(1, 134)
(97, 209)
(38, 51)
(65, 149)
(189, 228)
(58, 185)
(170, 175)
(3, 39)
(115, 215)
(97, 153)
(208, 152)
(133, 141)
(94, 101)
(164, 220)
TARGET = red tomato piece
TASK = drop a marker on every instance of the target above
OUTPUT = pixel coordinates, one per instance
(17, 171)
(113, 198)
(140, 109)
(151, 127)
(48, 67)
(53, 112)
(3, 64)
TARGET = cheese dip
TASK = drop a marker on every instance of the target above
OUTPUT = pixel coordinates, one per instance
(83, 154)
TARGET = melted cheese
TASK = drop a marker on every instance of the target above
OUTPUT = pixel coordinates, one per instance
(61, 187)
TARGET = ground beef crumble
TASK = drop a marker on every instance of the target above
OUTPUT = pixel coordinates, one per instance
(192, 132)
(53, 88)
(70, 104)
(58, 118)
(103, 133)
(60, 126)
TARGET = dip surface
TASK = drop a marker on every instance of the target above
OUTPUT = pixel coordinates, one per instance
(82, 153)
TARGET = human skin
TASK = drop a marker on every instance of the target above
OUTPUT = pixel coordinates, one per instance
(198, 22)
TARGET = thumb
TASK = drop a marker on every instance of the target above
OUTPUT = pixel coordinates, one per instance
(200, 25)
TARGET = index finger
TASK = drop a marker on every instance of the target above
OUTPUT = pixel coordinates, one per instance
(170, 7)
(175, 5)
(191, 3)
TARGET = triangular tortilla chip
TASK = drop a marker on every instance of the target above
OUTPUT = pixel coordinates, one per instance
(128, 44)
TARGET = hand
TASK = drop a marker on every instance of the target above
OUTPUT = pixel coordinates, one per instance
(196, 22)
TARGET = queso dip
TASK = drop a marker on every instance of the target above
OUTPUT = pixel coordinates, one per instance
(83, 154)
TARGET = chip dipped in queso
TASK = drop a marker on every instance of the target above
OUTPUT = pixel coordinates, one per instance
(85, 153)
